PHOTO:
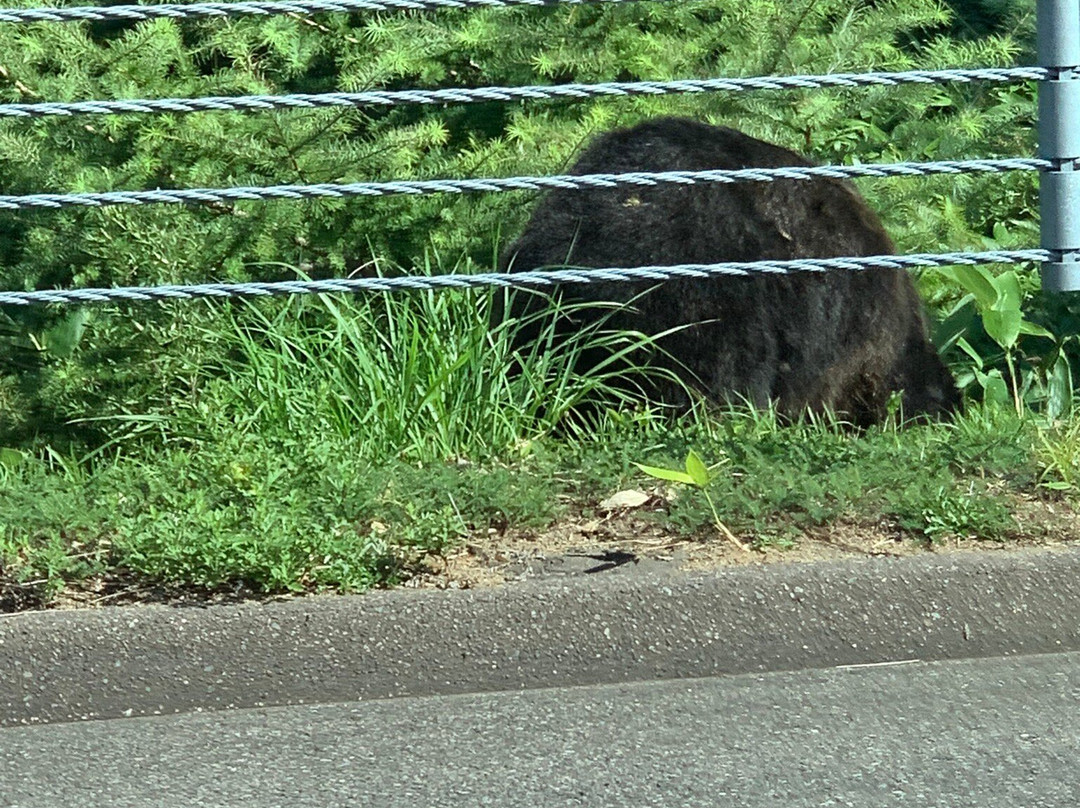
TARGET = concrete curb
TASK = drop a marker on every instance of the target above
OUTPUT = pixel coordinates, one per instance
(66, 666)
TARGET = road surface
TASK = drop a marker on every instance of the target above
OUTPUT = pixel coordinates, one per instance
(980, 732)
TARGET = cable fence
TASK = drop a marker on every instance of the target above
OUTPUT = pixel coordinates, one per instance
(541, 278)
(181, 11)
(564, 182)
(467, 95)
(1059, 37)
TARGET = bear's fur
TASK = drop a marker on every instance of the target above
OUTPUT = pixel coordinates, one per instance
(839, 340)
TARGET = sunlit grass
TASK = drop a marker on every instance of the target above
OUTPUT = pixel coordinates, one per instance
(329, 442)
(280, 514)
(424, 375)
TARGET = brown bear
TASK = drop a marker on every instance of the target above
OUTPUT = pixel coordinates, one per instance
(840, 340)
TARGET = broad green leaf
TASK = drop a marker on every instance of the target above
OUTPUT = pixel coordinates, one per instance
(1028, 327)
(948, 272)
(965, 378)
(696, 468)
(1056, 485)
(10, 458)
(1003, 326)
(978, 281)
(958, 322)
(62, 339)
(1060, 388)
(995, 390)
(1008, 292)
(674, 475)
(969, 349)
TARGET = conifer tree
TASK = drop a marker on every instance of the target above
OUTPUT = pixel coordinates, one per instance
(286, 54)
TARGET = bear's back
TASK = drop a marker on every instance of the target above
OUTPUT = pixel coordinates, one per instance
(805, 339)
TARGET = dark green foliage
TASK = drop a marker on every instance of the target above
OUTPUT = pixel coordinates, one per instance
(220, 445)
(117, 357)
(978, 18)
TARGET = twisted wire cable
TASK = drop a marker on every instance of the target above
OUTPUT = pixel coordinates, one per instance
(615, 89)
(177, 11)
(539, 278)
(491, 185)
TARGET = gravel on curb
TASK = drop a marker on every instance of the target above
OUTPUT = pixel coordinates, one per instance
(589, 629)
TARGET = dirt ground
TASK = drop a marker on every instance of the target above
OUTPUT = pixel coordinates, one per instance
(625, 538)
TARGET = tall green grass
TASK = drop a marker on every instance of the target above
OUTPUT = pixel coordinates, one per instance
(424, 375)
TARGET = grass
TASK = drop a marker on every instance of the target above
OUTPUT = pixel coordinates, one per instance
(311, 515)
(336, 443)
(932, 481)
(422, 376)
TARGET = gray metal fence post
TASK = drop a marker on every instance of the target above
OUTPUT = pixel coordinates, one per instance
(1059, 142)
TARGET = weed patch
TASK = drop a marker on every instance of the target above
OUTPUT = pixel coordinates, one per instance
(298, 515)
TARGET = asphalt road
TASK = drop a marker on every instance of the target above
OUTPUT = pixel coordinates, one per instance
(630, 626)
(978, 732)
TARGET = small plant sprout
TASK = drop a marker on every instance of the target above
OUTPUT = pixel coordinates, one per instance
(998, 300)
(698, 474)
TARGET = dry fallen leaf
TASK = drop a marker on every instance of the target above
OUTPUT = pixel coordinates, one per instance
(630, 498)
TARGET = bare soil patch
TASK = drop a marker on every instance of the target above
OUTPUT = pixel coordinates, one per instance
(625, 538)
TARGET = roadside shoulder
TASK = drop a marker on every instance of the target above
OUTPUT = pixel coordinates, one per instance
(76, 665)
